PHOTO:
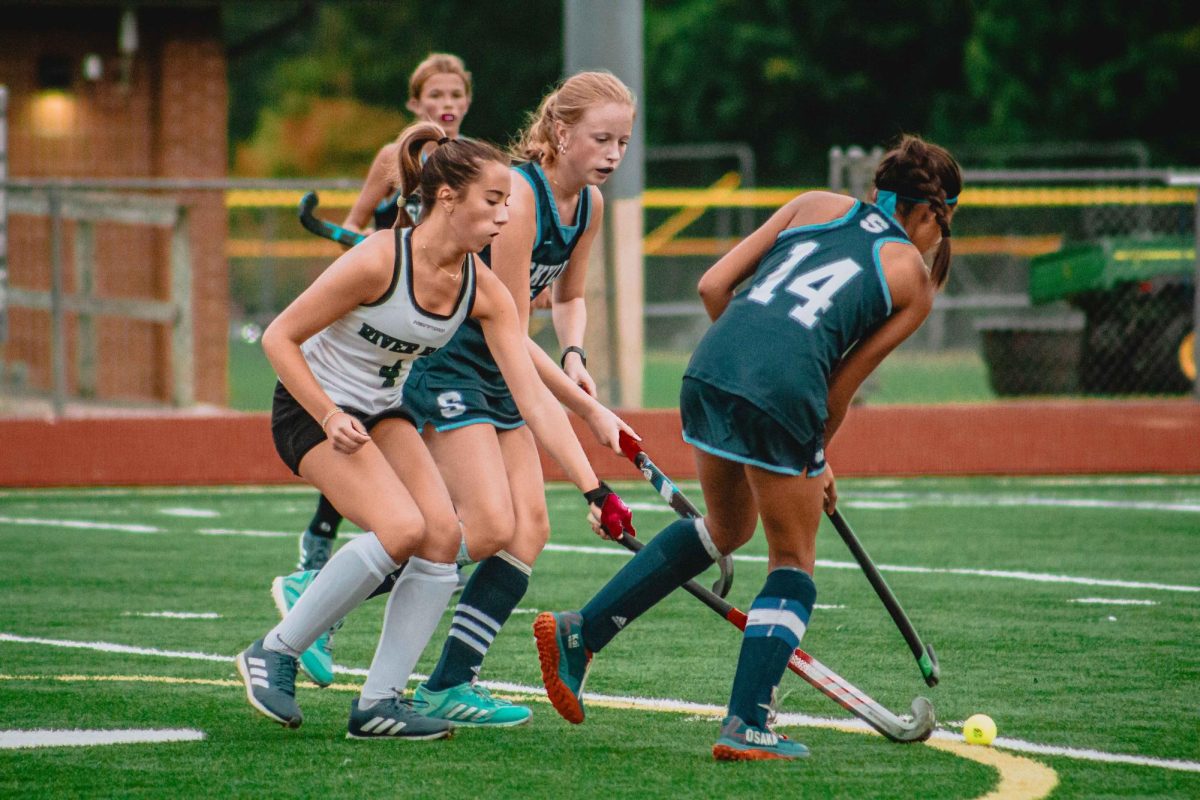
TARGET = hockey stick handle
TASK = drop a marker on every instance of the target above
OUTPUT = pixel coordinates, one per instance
(821, 677)
(926, 659)
(676, 499)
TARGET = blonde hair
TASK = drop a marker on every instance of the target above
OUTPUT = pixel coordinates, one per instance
(437, 64)
(567, 104)
(454, 162)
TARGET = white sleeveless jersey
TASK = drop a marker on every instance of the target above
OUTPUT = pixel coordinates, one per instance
(363, 359)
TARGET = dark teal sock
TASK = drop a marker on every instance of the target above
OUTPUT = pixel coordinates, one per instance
(493, 591)
(774, 628)
(326, 521)
(667, 562)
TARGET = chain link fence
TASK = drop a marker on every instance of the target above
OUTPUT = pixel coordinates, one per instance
(1064, 283)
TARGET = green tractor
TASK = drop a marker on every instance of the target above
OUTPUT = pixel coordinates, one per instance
(1138, 298)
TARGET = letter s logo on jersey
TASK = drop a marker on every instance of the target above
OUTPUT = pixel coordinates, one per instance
(874, 224)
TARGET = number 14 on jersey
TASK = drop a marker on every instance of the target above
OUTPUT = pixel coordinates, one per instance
(815, 288)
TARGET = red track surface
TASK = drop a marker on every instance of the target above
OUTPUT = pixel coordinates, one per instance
(1004, 438)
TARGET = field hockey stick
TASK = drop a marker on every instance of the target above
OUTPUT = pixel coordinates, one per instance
(924, 654)
(327, 230)
(668, 491)
(825, 680)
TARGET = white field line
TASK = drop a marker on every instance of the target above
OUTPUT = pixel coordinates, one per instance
(78, 524)
(13, 740)
(199, 513)
(703, 710)
(1112, 601)
(1036, 577)
(175, 614)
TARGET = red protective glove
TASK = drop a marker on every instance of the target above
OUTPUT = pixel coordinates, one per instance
(611, 518)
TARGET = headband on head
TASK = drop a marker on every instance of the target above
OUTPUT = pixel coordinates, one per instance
(443, 140)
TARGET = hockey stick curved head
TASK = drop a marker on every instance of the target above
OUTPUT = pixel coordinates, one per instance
(922, 724)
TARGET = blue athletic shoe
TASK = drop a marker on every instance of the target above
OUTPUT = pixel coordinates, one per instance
(317, 660)
(469, 705)
(270, 680)
(564, 659)
(742, 742)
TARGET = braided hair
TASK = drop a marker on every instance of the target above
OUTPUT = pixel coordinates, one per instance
(922, 172)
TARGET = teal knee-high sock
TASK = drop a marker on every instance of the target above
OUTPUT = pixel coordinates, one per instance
(679, 553)
(774, 627)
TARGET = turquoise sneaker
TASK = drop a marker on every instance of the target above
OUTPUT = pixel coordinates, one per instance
(565, 661)
(317, 660)
(742, 742)
(469, 705)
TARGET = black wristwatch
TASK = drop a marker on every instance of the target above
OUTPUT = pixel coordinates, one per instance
(562, 361)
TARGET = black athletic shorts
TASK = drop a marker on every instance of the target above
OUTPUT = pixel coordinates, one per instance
(295, 431)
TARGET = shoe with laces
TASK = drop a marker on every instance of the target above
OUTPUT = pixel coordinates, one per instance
(314, 551)
(270, 680)
(395, 718)
(469, 705)
(564, 659)
(317, 660)
(740, 741)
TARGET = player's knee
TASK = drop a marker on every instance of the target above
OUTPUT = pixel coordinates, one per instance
(400, 533)
(489, 528)
(443, 534)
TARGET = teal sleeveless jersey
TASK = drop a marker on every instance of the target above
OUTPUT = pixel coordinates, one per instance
(466, 362)
(817, 291)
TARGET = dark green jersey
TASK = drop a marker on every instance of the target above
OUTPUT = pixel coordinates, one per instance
(817, 291)
(465, 362)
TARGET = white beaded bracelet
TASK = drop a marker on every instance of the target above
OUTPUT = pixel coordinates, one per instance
(329, 416)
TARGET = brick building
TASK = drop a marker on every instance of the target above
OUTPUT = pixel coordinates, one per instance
(119, 90)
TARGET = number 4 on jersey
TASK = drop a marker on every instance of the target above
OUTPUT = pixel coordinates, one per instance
(815, 288)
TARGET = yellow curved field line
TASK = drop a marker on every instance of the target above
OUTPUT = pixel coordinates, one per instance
(1020, 778)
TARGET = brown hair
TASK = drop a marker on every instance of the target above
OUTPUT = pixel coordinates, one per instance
(567, 103)
(437, 64)
(454, 162)
(919, 171)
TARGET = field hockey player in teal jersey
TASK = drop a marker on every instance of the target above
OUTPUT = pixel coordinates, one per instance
(835, 285)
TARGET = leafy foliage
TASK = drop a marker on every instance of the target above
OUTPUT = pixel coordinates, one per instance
(792, 79)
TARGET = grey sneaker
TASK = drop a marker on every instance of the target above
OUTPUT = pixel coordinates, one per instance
(394, 718)
(270, 680)
(314, 551)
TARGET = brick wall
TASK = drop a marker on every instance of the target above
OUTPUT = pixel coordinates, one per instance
(167, 120)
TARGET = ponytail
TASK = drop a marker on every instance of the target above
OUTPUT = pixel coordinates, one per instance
(567, 104)
(454, 163)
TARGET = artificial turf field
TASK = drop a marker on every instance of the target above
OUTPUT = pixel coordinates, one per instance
(1066, 608)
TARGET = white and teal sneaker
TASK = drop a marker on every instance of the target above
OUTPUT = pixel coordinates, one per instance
(469, 705)
(317, 660)
(740, 741)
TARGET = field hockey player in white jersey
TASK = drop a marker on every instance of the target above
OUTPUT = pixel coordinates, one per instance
(342, 351)
(476, 432)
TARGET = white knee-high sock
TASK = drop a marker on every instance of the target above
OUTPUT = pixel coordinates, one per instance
(349, 577)
(413, 610)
